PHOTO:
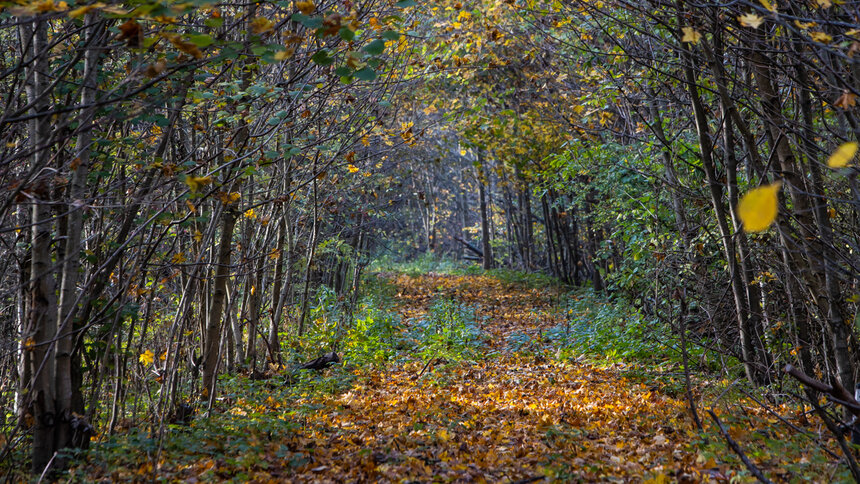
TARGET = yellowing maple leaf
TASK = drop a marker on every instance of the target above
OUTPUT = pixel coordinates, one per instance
(691, 35)
(843, 155)
(759, 207)
(147, 357)
(751, 20)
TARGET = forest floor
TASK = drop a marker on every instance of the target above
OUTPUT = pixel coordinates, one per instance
(495, 414)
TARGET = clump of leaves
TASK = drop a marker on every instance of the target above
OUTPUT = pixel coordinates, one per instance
(449, 331)
(611, 329)
(374, 334)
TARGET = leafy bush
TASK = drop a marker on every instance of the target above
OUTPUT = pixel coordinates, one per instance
(449, 331)
(372, 338)
(611, 329)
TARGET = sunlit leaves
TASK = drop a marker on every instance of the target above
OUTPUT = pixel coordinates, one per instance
(147, 358)
(759, 207)
(843, 155)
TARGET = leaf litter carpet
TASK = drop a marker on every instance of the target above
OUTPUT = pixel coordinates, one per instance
(507, 417)
(506, 413)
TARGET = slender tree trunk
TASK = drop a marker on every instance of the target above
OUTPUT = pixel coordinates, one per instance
(827, 294)
(213, 326)
(312, 248)
(486, 248)
(754, 370)
(74, 227)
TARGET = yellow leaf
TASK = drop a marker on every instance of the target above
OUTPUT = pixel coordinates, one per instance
(195, 183)
(766, 4)
(691, 35)
(824, 3)
(147, 357)
(81, 11)
(843, 155)
(822, 37)
(751, 20)
(261, 25)
(306, 8)
(250, 214)
(352, 168)
(284, 54)
(758, 208)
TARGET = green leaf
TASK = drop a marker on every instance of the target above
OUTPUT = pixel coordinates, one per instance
(201, 40)
(312, 23)
(346, 34)
(376, 47)
(322, 58)
(366, 74)
(343, 71)
(391, 35)
(406, 3)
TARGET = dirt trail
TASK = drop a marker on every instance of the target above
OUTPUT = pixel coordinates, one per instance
(502, 418)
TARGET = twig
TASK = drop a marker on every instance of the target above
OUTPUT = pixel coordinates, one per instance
(425, 367)
(737, 448)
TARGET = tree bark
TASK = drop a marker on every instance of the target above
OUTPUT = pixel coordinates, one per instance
(212, 337)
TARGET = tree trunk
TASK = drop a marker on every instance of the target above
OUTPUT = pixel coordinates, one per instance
(213, 327)
(486, 248)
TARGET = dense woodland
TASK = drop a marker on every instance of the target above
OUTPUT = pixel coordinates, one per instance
(196, 192)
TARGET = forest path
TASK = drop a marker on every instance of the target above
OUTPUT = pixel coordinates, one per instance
(469, 389)
(503, 417)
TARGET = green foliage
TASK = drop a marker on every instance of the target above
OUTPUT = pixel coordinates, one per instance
(612, 330)
(449, 331)
(373, 336)
(422, 264)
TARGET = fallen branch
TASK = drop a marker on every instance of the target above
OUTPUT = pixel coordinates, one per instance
(471, 247)
(737, 448)
(837, 392)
